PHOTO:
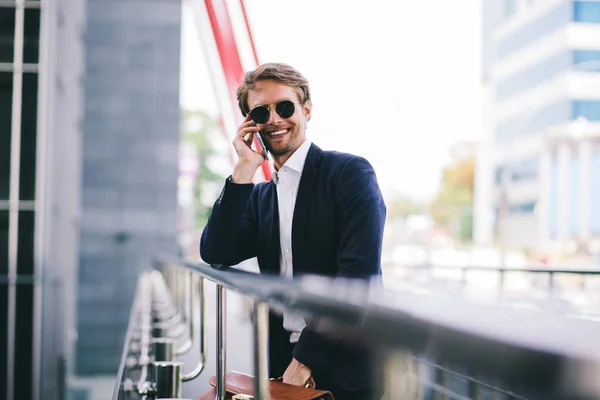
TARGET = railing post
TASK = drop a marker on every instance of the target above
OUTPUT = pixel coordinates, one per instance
(399, 382)
(163, 348)
(168, 379)
(221, 338)
(260, 332)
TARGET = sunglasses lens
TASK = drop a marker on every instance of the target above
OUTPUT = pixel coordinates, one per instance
(260, 115)
(285, 109)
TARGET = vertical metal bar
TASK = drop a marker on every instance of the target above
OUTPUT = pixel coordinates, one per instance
(198, 298)
(551, 283)
(260, 331)
(399, 383)
(44, 122)
(502, 280)
(13, 218)
(221, 337)
(474, 390)
(168, 379)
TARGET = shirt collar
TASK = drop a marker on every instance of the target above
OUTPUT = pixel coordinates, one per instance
(296, 161)
(298, 158)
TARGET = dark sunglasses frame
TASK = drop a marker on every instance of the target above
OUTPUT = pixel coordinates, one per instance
(283, 108)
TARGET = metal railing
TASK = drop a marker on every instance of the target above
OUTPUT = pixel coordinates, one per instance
(421, 338)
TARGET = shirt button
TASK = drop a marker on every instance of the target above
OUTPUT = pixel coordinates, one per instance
(286, 190)
(286, 219)
(288, 250)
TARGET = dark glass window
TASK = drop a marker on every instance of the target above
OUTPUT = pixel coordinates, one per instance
(25, 247)
(3, 332)
(31, 36)
(24, 342)
(586, 11)
(28, 136)
(7, 33)
(3, 246)
(6, 86)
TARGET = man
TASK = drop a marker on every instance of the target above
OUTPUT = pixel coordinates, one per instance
(322, 213)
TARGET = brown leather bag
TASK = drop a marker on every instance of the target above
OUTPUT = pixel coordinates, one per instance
(239, 383)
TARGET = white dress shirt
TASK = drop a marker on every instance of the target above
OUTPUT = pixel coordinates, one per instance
(287, 180)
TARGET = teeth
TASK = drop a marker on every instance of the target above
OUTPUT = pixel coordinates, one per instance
(281, 132)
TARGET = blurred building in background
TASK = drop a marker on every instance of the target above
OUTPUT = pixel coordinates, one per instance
(538, 180)
(89, 141)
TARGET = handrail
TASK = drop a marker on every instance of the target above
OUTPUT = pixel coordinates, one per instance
(538, 353)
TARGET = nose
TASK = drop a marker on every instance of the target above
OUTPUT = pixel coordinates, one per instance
(274, 118)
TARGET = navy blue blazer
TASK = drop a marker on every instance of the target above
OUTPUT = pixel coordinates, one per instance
(337, 231)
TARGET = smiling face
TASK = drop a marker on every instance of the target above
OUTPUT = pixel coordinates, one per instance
(282, 136)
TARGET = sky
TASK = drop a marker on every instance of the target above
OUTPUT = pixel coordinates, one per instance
(397, 82)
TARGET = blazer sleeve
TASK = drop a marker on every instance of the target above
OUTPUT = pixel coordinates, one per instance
(230, 235)
(361, 216)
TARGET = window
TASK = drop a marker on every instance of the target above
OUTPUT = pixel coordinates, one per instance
(581, 56)
(522, 208)
(7, 33)
(510, 8)
(595, 190)
(555, 18)
(3, 242)
(6, 88)
(533, 122)
(589, 109)
(24, 342)
(553, 198)
(586, 11)
(3, 329)
(540, 73)
(31, 36)
(28, 137)
(575, 196)
(527, 169)
(25, 243)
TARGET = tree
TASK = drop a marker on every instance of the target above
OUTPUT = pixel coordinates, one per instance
(200, 129)
(453, 204)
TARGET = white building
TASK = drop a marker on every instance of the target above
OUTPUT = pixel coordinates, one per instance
(538, 177)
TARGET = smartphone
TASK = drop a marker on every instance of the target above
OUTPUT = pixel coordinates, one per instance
(265, 153)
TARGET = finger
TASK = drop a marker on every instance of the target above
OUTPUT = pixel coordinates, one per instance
(248, 140)
(244, 130)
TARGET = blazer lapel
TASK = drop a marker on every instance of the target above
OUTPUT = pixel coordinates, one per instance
(305, 189)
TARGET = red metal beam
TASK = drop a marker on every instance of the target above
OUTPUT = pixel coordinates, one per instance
(229, 55)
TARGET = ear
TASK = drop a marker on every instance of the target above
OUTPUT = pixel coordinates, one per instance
(307, 110)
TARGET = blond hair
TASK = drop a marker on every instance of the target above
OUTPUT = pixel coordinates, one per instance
(278, 72)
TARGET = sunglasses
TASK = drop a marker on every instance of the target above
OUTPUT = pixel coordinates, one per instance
(284, 109)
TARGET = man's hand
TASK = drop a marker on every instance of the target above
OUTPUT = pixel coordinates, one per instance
(248, 159)
(296, 373)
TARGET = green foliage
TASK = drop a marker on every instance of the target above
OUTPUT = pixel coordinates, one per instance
(453, 204)
(200, 136)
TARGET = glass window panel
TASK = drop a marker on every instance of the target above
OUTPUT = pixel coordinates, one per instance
(28, 136)
(6, 85)
(3, 332)
(24, 342)
(595, 190)
(3, 244)
(586, 11)
(553, 198)
(25, 246)
(589, 109)
(7, 33)
(552, 20)
(31, 38)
